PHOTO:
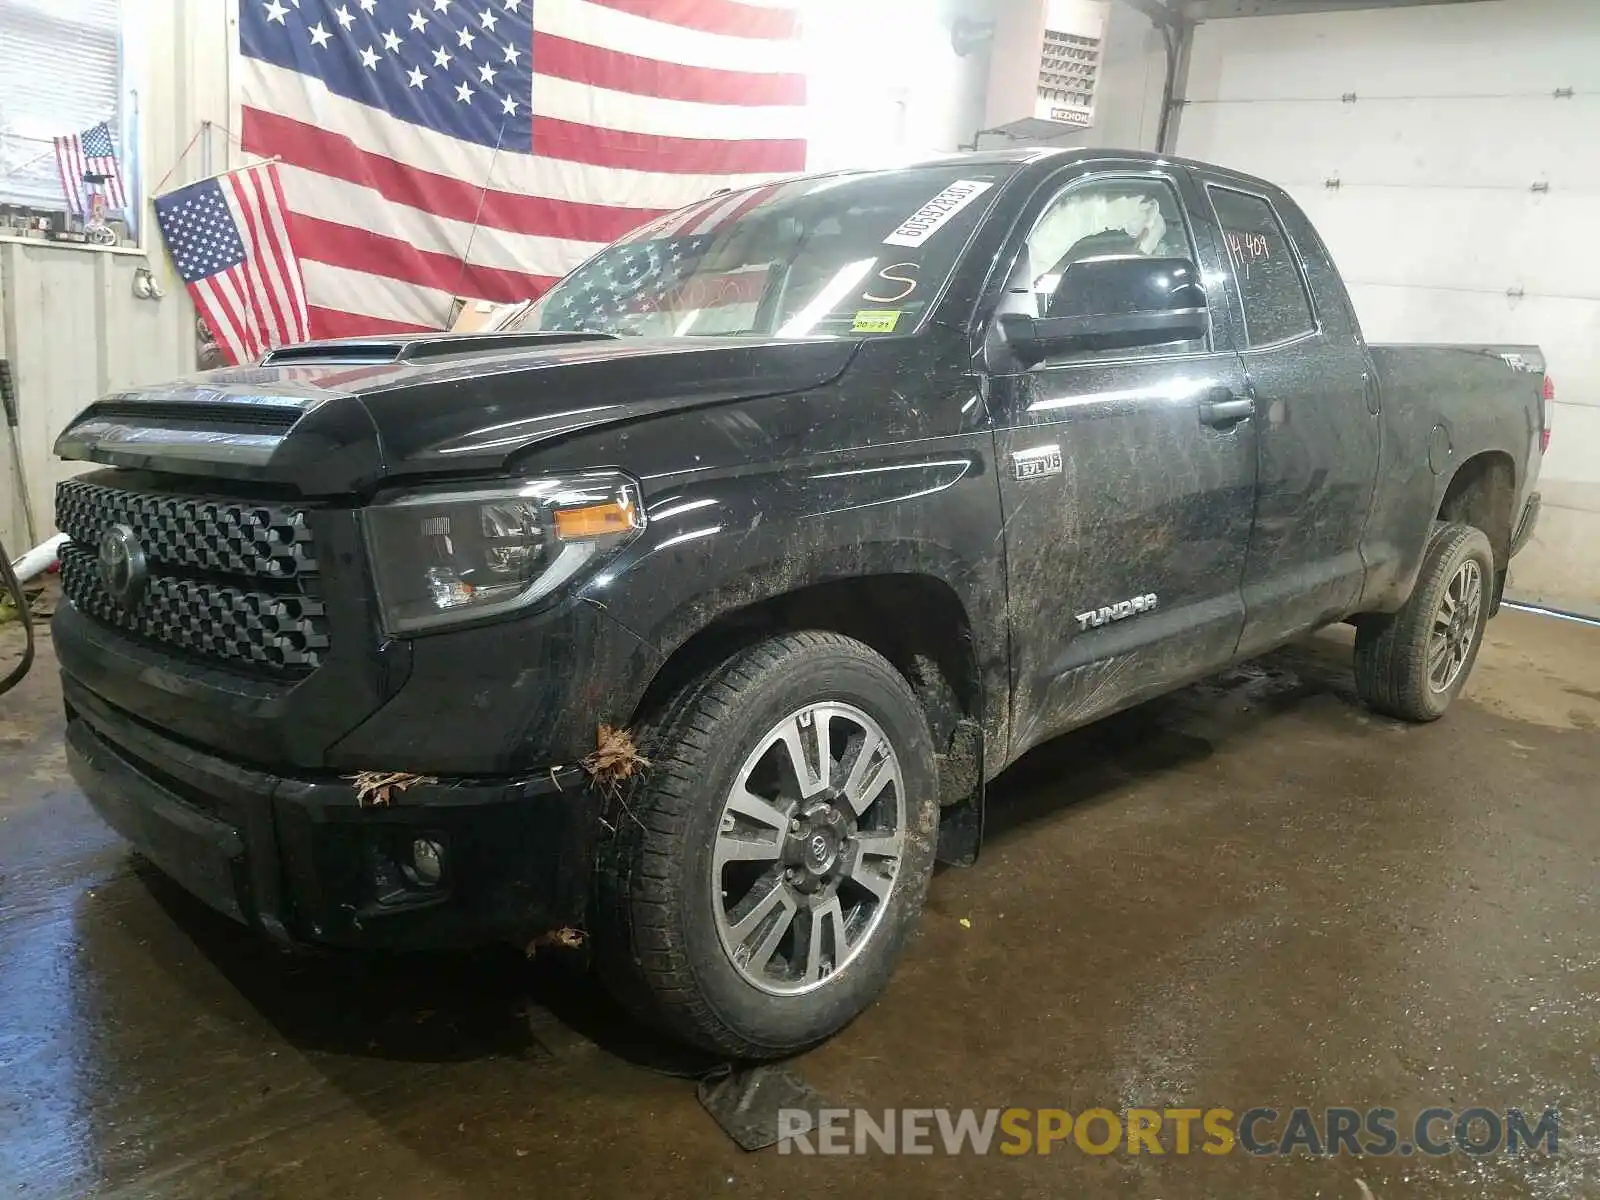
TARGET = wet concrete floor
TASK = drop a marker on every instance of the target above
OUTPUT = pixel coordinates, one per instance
(1252, 893)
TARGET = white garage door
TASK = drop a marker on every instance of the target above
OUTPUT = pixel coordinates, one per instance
(1436, 221)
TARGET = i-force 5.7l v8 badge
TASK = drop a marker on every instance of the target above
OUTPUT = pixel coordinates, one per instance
(1036, 462)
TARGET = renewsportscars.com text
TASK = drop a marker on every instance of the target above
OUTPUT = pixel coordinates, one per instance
(1261, 1131)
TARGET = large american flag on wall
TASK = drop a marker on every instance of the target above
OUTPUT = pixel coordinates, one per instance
(483, 148)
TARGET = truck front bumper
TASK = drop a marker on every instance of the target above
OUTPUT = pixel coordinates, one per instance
(303, 860)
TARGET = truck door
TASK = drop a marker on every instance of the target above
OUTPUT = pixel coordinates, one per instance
(1127, 475)
(1316, 425)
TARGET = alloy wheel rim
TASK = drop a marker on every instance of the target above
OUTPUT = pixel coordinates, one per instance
(1455, 626)
(808, 849)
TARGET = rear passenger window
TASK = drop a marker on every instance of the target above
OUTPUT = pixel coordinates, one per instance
(1276, 306)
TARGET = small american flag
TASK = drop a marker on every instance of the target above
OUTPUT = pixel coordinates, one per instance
(89, 153)
(435, 148)
(229, 238)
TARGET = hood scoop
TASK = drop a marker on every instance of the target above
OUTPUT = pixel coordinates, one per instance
(197, 414)
(368, 351)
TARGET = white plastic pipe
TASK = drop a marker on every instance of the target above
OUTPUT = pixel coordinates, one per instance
(39, 559)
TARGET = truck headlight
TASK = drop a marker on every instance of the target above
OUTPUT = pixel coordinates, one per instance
(442, 557)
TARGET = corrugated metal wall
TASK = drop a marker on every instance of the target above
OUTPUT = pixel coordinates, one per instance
(69, 322)
(73, 330)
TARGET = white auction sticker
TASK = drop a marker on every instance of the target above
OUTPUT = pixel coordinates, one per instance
(926, 221)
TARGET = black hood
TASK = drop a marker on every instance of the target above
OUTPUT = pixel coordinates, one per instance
(338, 417)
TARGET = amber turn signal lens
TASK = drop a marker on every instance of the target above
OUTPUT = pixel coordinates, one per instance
(593, 520)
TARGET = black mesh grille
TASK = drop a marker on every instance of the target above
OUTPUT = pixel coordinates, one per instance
(230, 581)
(228, 536)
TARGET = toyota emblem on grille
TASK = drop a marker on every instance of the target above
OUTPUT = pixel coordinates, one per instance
(122, 566)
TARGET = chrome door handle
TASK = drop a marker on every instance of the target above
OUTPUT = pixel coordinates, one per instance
(1230, 410)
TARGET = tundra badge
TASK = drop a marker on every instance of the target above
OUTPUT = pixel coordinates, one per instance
(1121, 610)
(1036, 463)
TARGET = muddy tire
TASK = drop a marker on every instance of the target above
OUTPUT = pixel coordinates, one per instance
(766, 872)
(1412, 663)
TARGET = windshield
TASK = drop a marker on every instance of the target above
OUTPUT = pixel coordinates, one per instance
(835, 256)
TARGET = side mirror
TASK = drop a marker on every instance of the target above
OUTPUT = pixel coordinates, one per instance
(1113, 303)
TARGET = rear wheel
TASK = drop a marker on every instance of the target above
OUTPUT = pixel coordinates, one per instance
(764, 877)
(1412, 663)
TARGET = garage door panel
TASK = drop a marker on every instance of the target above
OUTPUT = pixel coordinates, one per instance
(1568, 330)
(1414, 313)
(1561, 565)
(1481, 240)
(1510, 143)
(1473, 48)
(1571, 458)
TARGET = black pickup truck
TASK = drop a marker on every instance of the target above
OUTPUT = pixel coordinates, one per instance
(829, 499)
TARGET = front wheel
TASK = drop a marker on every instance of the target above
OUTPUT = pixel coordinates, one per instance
(1412, 663)
(764, 877)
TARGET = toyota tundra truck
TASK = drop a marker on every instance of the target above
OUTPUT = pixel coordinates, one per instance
(697, 612)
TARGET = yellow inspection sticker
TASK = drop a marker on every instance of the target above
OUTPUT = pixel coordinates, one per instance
(875, 320)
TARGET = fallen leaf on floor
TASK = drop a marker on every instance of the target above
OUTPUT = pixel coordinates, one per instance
(966, 924)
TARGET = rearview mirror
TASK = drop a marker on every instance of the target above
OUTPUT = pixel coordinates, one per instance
(1113, 303)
